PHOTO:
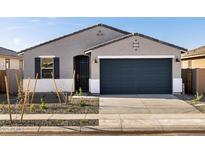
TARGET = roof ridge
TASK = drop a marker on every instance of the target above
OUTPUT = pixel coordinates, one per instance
(160, 41)
(8, 49)
(197, 52)
(197, 48)
(106, 42)
(135, 34)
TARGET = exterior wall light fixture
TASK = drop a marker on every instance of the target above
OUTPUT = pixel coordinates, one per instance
(95, 61)
(177, 59)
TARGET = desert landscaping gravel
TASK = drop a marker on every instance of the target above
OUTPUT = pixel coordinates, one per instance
(53, 122)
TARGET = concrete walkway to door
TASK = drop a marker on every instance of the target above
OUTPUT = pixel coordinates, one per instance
(144, 104)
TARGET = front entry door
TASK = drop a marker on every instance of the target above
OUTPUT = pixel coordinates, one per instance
(81, 66)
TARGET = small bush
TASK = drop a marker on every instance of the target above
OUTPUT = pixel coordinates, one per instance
(3, 106)
(43, 105)
(20, 106)
(80, 92)
(70, 109)
(32, 108)
(82, 101)
(197, 98)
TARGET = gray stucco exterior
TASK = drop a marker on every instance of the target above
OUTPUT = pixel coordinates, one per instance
(67, 48)
(146, 48)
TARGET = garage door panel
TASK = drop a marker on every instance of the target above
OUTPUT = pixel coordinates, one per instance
(135, 76)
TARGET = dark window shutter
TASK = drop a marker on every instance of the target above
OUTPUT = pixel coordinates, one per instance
(37, 67)
(56, 68)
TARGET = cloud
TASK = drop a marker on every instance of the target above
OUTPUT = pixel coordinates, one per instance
(80, 25)
(52, 18)
(35, 20)
(17, 41)
(20, 44)
(51, 23)
(77, 24)
(13, 27)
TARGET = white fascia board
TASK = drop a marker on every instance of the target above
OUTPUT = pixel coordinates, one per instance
(136, 57)
(193, 56)
(89, 51)
(49, 56)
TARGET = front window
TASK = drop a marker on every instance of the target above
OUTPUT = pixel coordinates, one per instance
(7, 63)
(47, 68)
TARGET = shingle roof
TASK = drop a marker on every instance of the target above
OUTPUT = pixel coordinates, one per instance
(108, 42)
(135, 34)
(198, 52)
(82, 30)
(127, 34)
(7, 52)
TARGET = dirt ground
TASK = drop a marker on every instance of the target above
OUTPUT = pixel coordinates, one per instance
(77, 106)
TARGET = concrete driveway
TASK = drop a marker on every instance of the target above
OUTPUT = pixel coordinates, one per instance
(144, 104)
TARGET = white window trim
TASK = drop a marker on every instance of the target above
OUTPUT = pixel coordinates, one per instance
(51, 56)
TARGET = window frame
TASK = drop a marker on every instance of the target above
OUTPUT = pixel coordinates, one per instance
(41, 68)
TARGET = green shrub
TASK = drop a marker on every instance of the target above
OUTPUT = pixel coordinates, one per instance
(32, 108)
(197, 98)
(69, 109)
(43, 105)
(76, 93)
(82, 101)
(3, 106)
(80, 92)
(20, 106)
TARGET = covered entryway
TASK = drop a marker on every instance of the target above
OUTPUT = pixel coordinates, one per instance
(136, 76)
(81, 67)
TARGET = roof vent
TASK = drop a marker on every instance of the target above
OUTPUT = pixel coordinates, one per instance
(136, 44)
(99, 33)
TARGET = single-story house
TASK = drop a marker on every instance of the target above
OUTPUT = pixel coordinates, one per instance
(105, 60)
(193, 73)
(9, 59)
(9, 63)
(194, 58)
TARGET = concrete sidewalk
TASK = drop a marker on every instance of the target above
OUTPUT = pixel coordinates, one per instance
(144, 123)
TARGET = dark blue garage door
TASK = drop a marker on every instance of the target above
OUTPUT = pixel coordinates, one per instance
(136, 76)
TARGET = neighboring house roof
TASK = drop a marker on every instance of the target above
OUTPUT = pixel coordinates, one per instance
(82, 30)
(7, 52)
(134, 34)
(194, 53)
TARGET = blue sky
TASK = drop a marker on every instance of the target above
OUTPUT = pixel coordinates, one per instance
(21, 33)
